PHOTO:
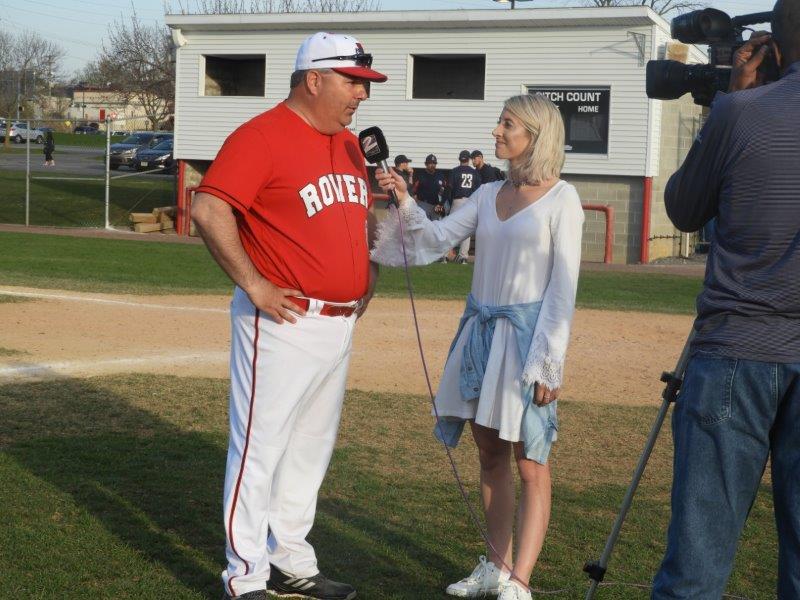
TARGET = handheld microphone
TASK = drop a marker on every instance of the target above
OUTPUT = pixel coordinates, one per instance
(376, 151)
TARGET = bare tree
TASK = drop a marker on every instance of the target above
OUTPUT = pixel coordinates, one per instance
(236, 7)
(136, 61)
(662, 7)
(28, 65)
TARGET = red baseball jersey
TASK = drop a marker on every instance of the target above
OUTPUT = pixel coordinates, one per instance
(301, 199)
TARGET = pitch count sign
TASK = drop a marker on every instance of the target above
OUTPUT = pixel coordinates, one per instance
(586, 116)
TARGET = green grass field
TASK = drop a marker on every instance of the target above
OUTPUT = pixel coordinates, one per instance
(112, 490)
(72, 139)
(150, 268)
(111, 486)
(90, 141)
(81, 203)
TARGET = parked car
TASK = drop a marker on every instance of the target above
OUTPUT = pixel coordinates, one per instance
(20, 132)
(86, 130)
(159, 156)
(124, 152)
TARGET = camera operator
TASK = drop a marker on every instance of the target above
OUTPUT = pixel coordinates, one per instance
(740, 400)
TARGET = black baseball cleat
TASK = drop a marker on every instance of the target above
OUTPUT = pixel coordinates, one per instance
(284, 585)
(256, 595)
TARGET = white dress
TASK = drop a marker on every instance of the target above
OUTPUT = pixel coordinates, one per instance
(532, 256)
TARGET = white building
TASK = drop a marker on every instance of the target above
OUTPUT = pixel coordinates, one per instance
(449, 72)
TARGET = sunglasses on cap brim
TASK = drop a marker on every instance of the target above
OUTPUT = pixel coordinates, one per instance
(362, 60)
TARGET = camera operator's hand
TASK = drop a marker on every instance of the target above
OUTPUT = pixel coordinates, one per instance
(746, 61)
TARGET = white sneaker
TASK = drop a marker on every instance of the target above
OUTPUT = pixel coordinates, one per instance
(484, 581)
(511, 591)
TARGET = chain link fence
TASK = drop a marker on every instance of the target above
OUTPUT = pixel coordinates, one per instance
(85, 184)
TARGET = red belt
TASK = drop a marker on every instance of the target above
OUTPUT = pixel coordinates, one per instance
(327, 310)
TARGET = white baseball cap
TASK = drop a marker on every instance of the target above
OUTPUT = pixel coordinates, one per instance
(342, 53)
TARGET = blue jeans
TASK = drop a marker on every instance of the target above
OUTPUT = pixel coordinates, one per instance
(730, 416)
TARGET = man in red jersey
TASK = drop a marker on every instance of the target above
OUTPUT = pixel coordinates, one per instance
(284, 209)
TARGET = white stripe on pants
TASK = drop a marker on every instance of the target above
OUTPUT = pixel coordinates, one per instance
(463, 247)
(286, 399)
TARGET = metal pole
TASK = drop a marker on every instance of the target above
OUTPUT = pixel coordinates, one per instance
(597, 570)
(28, 176)
(108, 172)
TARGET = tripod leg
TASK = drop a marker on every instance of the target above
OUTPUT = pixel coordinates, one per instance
(597, 570)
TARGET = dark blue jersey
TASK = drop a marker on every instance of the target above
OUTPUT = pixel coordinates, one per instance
(489, 173)
(463, 181)
(429, 187)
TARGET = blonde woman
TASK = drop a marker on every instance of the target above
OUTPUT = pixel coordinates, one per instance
(504, 370)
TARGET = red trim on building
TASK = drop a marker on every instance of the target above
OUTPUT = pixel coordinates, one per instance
(608, 251)
(244, 457)
(181, 181)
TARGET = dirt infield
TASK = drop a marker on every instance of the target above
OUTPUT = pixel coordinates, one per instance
(615, 357)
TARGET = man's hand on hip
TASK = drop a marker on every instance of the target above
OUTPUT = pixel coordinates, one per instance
(275, 301)
(373, 281)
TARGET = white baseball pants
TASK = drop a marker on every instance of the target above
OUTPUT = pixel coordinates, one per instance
(463, 247)
(287, 388)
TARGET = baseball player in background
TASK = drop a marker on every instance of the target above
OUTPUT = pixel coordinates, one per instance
(403, 167)
(429, 189)
(462, 181)
(284, 210)
(487, 172)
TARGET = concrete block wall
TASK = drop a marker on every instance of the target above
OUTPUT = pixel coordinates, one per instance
(625, 195)
(194, 171)
(680, 122)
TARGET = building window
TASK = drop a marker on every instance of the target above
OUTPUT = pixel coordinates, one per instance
(586, 116)
(449, 76)
(234, 75)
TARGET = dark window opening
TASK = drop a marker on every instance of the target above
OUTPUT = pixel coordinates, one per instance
(239, 75)
(449, 76)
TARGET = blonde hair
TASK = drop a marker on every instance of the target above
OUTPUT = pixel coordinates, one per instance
(544, 157)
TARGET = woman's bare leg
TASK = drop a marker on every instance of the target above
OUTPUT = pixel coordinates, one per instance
(497, 491)
(533, 513)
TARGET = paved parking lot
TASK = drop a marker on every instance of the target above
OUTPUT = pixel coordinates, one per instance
(73, 159)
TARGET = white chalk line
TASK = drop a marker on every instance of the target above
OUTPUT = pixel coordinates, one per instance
(92, 299)
(77, 366)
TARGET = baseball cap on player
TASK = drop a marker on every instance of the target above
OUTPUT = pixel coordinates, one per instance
(463, 155)
(476, 153)
(400, 159)
(431, 158)
(342, 53)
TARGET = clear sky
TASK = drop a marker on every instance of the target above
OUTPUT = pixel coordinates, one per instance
(79, 26)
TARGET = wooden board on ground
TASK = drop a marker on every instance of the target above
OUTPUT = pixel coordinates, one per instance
(167, 211)
(161, 218)
(143, 218)
(147, 227)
